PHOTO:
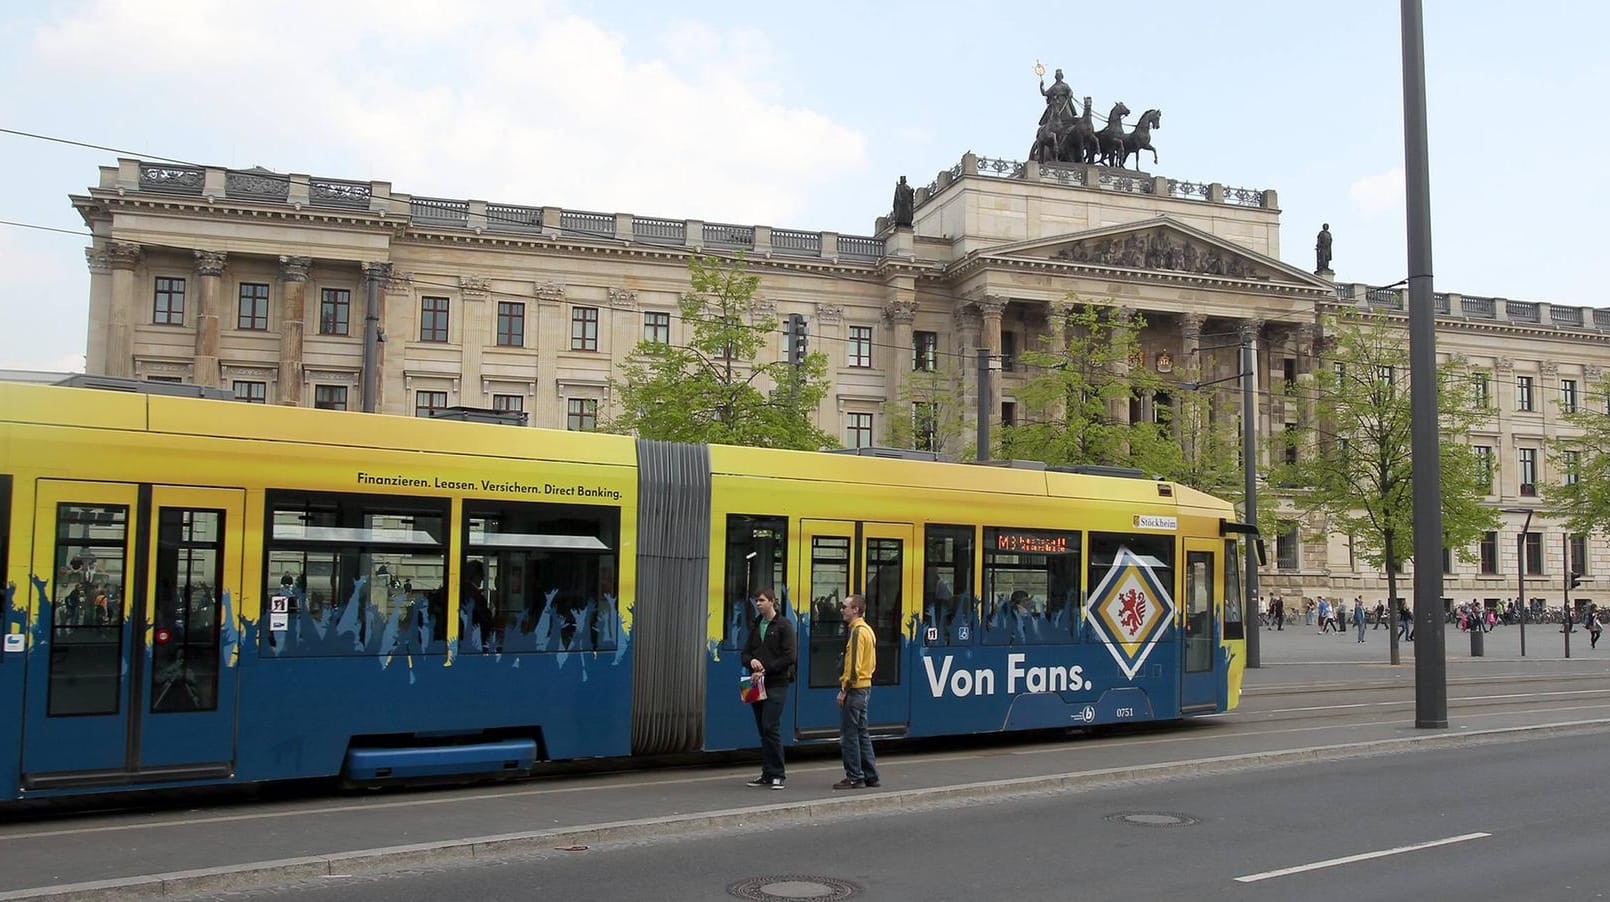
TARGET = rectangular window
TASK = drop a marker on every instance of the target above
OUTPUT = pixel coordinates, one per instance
(1125, 552)
(1523, 392)
(657, 328)
(330, 397)
(757, 558)
(432, 319)
(508, 403)
(1286, 557)
(1289, 366)
(189, 577)
(539, 577)
(1534, 553)
(511, 324)
(584, 328)
(251, 392)
(1528, 459)
(1008, 351)
(1031, 587)
(1008, 413)
(1484, 389)
(925, 351)
(1234, 601)
(924, 425)
(1484, 459)
(1387, 373)
(1447, 560)
(947, 585)
(581, 415)
(253, 307)
(86, 617)
(1489, 553)
(335, 311)
(360, 574)
(426, 403)
(169, 380)
(1291, 442)
(1579, 554)
(859, 352)
(1568, 395)
(168, 307)
(1573, 467)
(858, 430)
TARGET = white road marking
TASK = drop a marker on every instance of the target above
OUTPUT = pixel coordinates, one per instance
(1366, 856)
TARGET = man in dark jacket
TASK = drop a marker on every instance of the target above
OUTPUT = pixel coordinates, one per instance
(771, 652)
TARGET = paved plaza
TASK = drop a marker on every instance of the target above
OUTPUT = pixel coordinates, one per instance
(1301, 643)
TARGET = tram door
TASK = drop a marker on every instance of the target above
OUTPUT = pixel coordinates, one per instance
(842, 558)
(130, 677)
(1204, 585)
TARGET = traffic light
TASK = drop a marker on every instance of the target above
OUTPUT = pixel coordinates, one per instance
(797, 338)
(788, 338)
(1576, 580)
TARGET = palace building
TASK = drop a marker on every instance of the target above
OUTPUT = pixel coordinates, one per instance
(300, 290)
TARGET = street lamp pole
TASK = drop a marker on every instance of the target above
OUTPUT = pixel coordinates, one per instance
(1520, 568)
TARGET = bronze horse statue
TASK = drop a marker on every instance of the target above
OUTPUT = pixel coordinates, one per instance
(1051, 141)
(1141, 138)
(1111, 138)
(1081, 144)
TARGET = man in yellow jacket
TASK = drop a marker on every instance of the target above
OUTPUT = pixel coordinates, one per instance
(855, 685)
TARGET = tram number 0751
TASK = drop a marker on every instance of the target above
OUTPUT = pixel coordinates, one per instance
(1124, 712)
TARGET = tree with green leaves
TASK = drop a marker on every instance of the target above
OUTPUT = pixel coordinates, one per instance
(929, 413)
(1581, 499)
(1354, 449)
(715, 389)
(1083, 371)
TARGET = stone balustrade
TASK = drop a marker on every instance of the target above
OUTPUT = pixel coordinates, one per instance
(1472, 308)
(1100, 178)
(261, 186)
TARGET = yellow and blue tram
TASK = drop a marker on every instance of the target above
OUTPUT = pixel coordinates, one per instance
(203, 592)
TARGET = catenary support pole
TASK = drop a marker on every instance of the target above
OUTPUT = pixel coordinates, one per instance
(1430, 663)
(1249, 473)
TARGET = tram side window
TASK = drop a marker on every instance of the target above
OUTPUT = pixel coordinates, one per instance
(757, 558)
(1151, 554)
(1031, 587)
(949, 606)
(355, 575)
(86, 633)
(1234, 628)
(539, 577)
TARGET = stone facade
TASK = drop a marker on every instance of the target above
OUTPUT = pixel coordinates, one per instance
(262, 282)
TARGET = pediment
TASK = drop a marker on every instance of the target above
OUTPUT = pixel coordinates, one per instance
(1159, 245)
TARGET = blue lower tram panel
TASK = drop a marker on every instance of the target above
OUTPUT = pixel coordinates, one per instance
(511, 755)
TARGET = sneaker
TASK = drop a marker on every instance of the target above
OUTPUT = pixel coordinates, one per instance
(777, 783)
(872, 784)
(848, 783)
(758, 782)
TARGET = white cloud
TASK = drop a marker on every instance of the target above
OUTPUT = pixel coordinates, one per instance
(1380, 193)
(524, 103)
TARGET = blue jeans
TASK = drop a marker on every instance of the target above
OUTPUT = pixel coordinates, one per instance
(855, 743)
(768, 721)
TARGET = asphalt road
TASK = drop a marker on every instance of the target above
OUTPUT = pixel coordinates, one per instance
(1503, 821)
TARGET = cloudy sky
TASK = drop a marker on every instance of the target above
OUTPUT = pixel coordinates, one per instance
(803, 115)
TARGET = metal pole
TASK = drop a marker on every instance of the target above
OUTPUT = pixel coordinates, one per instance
(1430, 664)
(983, 403)
(372, 274)
(1520, 577)
(1249, 487)
(1565, 615)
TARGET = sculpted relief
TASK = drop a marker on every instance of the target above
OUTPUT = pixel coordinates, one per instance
(1160, 250)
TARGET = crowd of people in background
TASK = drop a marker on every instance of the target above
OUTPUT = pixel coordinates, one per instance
(1335, 615)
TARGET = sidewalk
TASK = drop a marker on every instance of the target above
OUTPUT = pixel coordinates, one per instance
(1300, 643)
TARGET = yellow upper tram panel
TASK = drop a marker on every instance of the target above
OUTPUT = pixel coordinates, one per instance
(101, 409)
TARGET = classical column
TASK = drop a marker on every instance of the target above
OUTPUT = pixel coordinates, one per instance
(965, 343)
(293, 326)
(123, 258)
(901, 313)
(209, 293)
(396, 313)
(100, 309)
(1123, 331)
(549, 338)
(1191, 339)
(1191, 364)
(990, 309)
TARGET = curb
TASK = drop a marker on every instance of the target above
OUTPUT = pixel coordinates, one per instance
(370, 861)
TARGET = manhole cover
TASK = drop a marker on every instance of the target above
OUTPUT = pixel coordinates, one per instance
(793, 887)
(1153, 819)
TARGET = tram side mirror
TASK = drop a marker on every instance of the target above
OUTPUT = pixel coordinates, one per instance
(1263, 556)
